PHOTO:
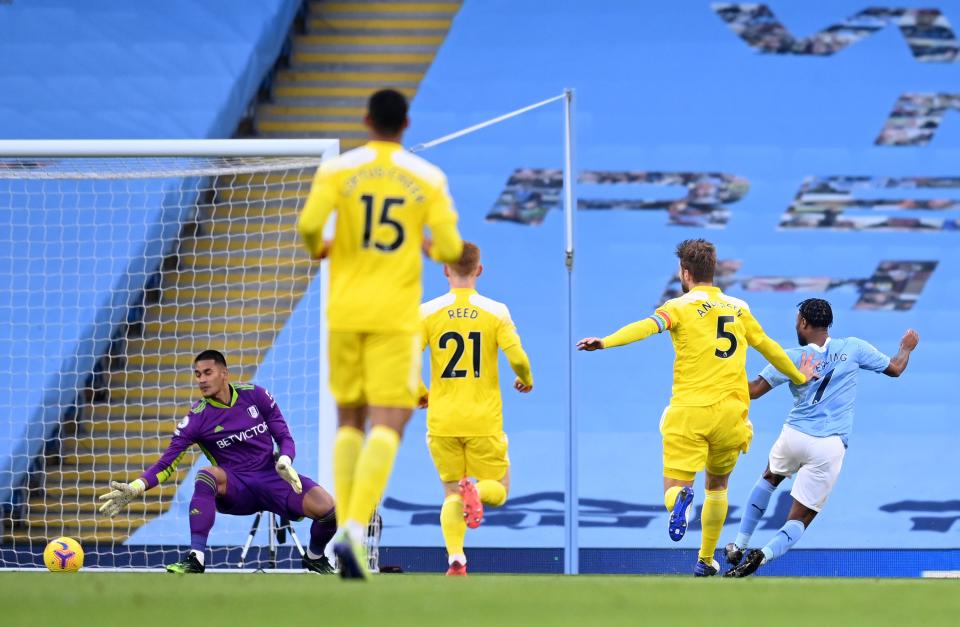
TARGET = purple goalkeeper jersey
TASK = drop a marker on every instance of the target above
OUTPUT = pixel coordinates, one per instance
(238, 436)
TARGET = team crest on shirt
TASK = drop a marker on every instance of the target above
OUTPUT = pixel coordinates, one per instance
(252, 410)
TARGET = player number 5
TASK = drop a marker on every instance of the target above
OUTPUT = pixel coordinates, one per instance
(723, 334)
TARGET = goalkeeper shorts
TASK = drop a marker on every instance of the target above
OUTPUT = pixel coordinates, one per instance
(249, 492)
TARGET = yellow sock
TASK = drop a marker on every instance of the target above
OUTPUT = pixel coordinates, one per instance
(453, 526)
(670, 497)
(346, 449)
(492, 492)
(712, 517)
(373, 471)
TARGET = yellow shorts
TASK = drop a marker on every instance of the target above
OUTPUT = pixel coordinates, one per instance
(710, 437)
(480, 457)
(381, 369)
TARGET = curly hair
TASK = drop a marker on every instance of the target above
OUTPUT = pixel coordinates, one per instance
(817, 312)
(699, 258)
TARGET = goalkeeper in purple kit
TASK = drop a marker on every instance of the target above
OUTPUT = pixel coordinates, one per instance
(235, 425)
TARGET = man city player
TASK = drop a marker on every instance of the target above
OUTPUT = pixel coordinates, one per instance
(235, 425)
(814, 439)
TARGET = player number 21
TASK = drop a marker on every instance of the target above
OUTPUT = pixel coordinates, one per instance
(383, 218)
(451, 371)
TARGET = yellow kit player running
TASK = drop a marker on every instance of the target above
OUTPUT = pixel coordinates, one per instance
(383, 197)
(465, 435)
(706, 423)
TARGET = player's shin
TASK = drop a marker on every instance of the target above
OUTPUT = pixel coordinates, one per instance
(492, 493)
(370, 479)
(788, 535)
(753, 512)
(712, 517)
(454, 528)
(346, 449)
(203, 511)
(321, 531)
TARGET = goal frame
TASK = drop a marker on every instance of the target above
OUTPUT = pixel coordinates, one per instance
(190, 148)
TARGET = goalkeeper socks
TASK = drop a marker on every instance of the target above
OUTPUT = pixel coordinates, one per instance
(492, 493)
(670, 497)
(454, 528)
(756, 506)
(203, 510)
(712, 517)
(346, 450)
(788, 535)
(370, 479)
(321, 530)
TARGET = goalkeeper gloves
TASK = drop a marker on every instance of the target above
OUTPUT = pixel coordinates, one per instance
(286, 471)
(120, 496)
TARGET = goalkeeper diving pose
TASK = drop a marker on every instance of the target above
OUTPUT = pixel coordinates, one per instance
(814, 439)
(706, 423)
(464, 331)
(235, 425)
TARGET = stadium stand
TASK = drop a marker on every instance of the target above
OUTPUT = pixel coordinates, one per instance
(685, 130)
(349, 49)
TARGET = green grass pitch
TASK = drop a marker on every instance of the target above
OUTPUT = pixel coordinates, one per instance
(146, 599)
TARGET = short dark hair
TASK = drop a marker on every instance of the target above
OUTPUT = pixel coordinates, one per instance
(817, 312)
(211, 355)
(387, 109)
(699, 258)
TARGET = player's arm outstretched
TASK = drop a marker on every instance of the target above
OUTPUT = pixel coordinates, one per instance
(760, 386)
(898, 363)
(633, 332)
(775, 354)
(121, 494)
(277, 426)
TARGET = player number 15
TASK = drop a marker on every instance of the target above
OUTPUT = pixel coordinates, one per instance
(383, 219)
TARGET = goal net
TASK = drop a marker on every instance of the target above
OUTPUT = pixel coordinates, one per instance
(115, 271)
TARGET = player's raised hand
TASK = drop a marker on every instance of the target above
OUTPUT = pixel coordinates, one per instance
(809, 367)
(910, 340)
(120, 496)
(521, 387)
(288, 474)
(590, 344)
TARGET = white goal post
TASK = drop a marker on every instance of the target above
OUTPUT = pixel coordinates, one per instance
(119, 261)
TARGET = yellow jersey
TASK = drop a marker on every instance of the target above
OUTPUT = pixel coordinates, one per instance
(710, 332)
(464, 331)
(384, 196)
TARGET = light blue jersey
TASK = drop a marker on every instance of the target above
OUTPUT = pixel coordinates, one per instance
(825, 406)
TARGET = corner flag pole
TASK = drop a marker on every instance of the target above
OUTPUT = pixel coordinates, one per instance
(571, 552)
